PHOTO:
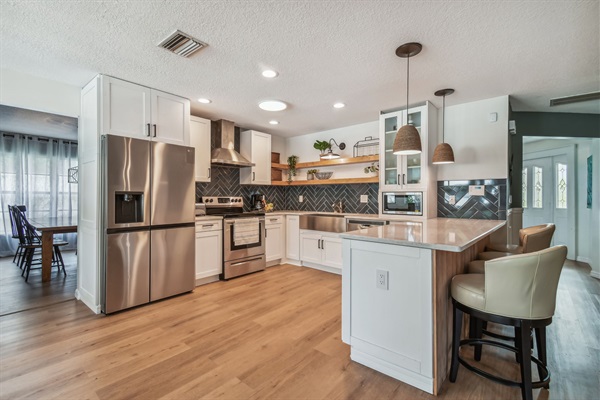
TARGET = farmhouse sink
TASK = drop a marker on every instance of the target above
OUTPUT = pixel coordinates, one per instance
(323, 222)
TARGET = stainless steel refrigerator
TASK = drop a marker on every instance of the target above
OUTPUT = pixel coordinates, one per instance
(148, 216)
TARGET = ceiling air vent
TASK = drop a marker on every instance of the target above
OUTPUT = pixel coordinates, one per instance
(559, 101)
(182, 44)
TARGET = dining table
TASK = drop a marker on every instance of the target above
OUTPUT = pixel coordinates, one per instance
(49, 226)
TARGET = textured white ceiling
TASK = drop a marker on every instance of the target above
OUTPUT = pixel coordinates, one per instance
(325, 51)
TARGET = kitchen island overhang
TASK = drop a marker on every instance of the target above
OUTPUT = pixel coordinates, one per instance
(396, 308)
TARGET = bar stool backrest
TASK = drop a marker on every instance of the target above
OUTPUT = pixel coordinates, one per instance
(536, 238)
(524, 286)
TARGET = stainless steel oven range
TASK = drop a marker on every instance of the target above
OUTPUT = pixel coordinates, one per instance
(243, 235)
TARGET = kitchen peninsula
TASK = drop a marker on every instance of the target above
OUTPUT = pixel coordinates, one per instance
(396, 308)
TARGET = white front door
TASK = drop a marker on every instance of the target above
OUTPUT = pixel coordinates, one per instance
(549, 194)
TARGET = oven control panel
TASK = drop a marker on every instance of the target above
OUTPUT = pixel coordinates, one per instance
(219, 201)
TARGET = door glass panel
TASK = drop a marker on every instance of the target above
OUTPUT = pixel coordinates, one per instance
(561, 185)
(390, 160)
(413, 162)
(524, 188)
(538, 187)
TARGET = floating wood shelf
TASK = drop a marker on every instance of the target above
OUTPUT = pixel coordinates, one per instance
(328, 163)
(371, 179)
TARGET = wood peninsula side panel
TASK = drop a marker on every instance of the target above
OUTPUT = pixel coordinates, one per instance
(446, 264)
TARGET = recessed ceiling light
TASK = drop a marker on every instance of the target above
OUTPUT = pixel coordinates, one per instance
(269, 73)
(273, 122)
(204, 101)
(273, 105)
(339, 105)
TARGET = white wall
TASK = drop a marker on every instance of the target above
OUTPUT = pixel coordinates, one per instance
(34, 93)
(480, 147)
(594, 234)
(302, 146)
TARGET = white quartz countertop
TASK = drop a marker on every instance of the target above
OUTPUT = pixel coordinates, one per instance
(449, 234)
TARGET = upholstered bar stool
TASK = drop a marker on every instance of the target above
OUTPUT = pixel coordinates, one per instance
(532, 238)
(518, 291)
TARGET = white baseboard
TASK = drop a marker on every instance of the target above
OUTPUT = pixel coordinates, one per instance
(595, 274)
(208, 279)
(583, 260)
(87, 299)
(325, 268)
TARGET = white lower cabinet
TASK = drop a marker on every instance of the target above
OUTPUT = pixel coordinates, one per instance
(322, 250)
(292, 238)
(209, 250)
(274, 239)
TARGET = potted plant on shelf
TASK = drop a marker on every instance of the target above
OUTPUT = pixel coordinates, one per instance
(291, 162)
(310, 174)
(322, 145)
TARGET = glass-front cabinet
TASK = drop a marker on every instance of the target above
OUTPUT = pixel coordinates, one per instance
(404, 172)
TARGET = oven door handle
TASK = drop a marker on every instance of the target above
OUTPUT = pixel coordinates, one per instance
(246, 261)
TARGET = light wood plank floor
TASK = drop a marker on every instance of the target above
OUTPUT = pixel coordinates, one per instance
(269, 335)
(17, 295)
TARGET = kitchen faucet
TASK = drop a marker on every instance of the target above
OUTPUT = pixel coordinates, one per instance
(338, 207)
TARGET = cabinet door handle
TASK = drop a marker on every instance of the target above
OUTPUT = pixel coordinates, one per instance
(273, 219)
(148, 130)
(266, 231)
(154, 130)
(207, 225)
(398, 179)
(253, 176)
(319, 243)
(209, 173)
(404, 179)
(322, 244)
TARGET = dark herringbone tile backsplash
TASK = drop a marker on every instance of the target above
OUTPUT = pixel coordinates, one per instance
(490, 206)
(226, 182)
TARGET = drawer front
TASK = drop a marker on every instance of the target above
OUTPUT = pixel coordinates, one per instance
(273, 220)
(210, 225)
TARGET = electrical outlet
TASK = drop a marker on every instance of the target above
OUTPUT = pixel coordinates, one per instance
(364, 198)
(300, 199)
(382, 279)
(452, 199)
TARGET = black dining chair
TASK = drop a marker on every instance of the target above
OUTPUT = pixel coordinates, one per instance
(15, 233)
(32, 243)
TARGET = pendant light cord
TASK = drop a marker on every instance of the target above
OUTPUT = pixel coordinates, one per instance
(407, 73)
(443, 118)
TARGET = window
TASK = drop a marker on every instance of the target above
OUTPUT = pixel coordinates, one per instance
(561, 185)
(524, 188)
(538, 187)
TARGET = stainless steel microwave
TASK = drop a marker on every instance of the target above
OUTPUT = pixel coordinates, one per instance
(402, 203)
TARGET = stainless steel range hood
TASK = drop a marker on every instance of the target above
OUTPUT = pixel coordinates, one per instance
(225, 155)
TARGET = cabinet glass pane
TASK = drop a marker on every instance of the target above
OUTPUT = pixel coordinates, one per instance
(413, 162)
(390, 161)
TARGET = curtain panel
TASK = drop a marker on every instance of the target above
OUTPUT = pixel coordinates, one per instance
(34, 173)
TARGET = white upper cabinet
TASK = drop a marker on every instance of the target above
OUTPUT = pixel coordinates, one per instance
(256, 147)
(126, 108)
(405, 172)
(137, 111)
(200, 139)
(170, 118)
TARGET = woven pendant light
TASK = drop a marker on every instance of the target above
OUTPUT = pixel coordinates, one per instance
(443, 153)
(408, 140)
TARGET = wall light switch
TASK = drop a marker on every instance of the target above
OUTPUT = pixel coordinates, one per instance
(493, 117)
(452, 200)
(364, 198)
(477, 190)
(300, 199)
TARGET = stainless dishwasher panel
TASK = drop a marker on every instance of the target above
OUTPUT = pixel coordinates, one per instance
(356, 224)
(172, 252)
(127, 270)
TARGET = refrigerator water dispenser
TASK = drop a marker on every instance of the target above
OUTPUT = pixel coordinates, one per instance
(129, 207)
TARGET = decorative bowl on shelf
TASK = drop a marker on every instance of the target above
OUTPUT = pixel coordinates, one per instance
(323, 175)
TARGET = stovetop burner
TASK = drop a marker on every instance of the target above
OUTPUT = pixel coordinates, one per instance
(228, 207)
